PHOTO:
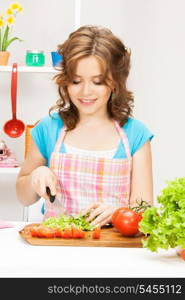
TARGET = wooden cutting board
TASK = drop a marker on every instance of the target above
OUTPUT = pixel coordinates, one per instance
(109, 238)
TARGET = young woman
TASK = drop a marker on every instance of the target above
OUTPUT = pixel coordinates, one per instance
(90, 152)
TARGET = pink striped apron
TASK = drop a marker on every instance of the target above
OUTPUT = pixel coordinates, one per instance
(83, 180)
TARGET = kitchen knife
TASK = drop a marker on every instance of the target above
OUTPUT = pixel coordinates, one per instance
(51, 197)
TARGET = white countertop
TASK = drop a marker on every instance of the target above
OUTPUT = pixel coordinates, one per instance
(20, 259)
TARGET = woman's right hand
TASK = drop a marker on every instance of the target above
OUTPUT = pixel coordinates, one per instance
(42, 177)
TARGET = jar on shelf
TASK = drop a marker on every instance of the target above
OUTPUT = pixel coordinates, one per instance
(35, 58)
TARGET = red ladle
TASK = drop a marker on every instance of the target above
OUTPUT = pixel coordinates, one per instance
(14, 128)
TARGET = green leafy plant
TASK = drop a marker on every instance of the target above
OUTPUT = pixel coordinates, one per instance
(6, 25)
(67, 220)
(166, 225)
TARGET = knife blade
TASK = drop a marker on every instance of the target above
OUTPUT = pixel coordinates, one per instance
(51, 197)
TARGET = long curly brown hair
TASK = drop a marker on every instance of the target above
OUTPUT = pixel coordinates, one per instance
(114, 59)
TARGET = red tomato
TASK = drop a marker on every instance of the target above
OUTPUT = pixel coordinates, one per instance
(127, 222)
(116, 212)
(182, 253)
(96, 233)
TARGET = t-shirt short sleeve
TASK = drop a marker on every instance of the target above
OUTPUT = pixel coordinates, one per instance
(138, 134)
(45, 134)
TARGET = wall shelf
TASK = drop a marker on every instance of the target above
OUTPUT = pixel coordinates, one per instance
(43, 69)
(9, 170)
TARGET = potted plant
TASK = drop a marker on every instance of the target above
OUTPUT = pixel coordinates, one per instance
(6, 26)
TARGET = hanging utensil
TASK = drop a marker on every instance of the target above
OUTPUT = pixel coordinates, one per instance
(14, 128)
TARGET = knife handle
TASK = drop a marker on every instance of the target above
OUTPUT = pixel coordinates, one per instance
(51, 197)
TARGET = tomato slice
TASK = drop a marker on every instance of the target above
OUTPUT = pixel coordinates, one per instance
(40, 231)
(48, 232)
(67, 233)
(58, 233)
(34, 231)
(96, 233)
(77, 233)
(81, 233)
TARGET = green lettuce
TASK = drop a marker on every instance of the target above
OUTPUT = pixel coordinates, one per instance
(67, 221)
(166, 225)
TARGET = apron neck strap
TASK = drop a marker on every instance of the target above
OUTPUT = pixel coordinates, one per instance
(124, 138)
(60, 139)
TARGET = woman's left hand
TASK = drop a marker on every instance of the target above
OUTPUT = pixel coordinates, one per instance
(100, 213)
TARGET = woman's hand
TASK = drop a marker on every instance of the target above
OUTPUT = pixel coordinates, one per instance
(42, 177)
(100, 213)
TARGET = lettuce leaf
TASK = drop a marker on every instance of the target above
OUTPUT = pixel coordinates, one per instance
(166, 225)
(67, 221)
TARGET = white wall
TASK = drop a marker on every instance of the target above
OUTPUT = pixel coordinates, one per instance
(154, 30)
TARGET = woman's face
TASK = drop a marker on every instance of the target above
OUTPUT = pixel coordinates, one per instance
(87, 92)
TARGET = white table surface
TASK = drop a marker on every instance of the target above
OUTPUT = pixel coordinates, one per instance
(20, 259)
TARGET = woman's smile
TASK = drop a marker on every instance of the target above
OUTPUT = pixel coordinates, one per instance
(87, 101)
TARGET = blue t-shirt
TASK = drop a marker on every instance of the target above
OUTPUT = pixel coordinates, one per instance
(46, 132)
